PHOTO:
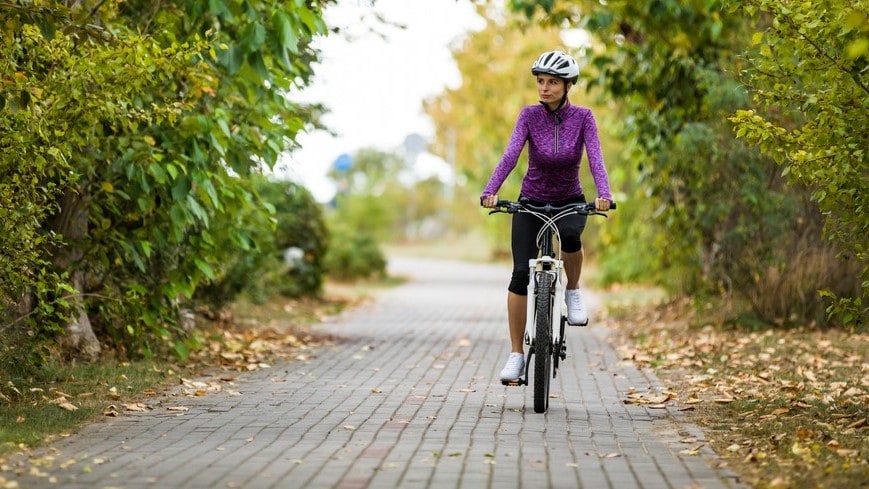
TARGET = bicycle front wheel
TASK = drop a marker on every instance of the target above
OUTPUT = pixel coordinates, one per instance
(542, 342)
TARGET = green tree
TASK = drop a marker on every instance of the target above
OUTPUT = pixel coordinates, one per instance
(156, 108)
(808, 68)
(63, 96)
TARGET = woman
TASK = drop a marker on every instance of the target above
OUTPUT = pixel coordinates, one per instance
(556, 133)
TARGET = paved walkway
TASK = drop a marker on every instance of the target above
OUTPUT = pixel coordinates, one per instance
(410, 399)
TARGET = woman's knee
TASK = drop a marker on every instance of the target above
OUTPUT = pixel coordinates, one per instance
(519, 282)
(571, 246)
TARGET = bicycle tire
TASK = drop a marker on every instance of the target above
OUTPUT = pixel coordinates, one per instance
(542, 342)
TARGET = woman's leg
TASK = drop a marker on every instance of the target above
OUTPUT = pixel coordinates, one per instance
(517, 312)
(572, 268)
(572, 254)
(524, 247)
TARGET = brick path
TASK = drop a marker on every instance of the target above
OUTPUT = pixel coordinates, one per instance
(410, 399)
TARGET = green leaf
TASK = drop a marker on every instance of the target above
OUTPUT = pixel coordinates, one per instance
(858, 48)
(233, 58)
(172, 170)
(146, 248)
(157, 172)
(254, 36)
(286, 35)
(179, 220)
(258, 64)
(181, 350)
(217, 7)
(205, 268)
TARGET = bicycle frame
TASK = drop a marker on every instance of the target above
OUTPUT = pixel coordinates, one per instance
(546, 263)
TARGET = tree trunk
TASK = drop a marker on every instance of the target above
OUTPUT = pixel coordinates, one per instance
(72, 222)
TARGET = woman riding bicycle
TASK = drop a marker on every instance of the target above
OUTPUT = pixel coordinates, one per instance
(556, 133)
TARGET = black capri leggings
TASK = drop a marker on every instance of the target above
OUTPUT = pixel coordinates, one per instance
(524, 240)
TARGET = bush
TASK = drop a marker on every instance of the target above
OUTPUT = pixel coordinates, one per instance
(300, 226)
(286, 216)
(354, 255)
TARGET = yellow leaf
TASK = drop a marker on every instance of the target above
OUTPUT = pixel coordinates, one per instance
(67, 405)
(108, 187)
(798, 450)
(757, 38)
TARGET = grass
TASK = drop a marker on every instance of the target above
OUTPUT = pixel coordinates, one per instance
(786, 408)
(58, 398)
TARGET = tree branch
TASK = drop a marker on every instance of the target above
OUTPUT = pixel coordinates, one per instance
(824, 53)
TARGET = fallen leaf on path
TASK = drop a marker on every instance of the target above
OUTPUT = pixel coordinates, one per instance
(135, 406)
(691, 451)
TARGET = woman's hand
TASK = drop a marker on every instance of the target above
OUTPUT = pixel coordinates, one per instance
(602, 204)
(489, 201)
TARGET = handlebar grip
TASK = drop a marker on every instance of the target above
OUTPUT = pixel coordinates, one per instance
(612, 205)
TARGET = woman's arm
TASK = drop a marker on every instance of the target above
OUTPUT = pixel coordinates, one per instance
(595, 157)
(510, 156)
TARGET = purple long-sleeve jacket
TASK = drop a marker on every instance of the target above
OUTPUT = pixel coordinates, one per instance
(555, 143)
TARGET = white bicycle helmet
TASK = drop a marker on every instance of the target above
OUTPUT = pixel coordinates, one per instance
(557, 63)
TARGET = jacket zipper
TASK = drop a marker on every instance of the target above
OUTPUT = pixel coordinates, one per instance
(557, 122)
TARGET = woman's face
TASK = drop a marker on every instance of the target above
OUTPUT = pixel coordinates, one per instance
(550, 88)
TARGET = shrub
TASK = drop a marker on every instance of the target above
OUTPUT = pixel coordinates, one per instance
(354, 254)
(285, 216)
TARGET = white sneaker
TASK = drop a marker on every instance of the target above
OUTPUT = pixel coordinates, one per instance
(514, 368)
(576, 313)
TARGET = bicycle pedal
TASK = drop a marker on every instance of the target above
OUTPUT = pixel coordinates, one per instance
(512, 383)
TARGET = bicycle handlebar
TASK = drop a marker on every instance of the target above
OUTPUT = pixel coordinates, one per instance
(510, 207)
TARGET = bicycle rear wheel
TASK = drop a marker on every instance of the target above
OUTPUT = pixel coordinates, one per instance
(542, 342)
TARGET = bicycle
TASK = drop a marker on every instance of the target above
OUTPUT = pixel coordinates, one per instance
(545, 296)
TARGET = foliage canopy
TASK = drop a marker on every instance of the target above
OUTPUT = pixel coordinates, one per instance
(131, 123)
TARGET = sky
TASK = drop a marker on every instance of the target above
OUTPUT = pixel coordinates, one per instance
(374, 86)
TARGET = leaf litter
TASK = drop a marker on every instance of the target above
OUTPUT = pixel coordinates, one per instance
(781, 407)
